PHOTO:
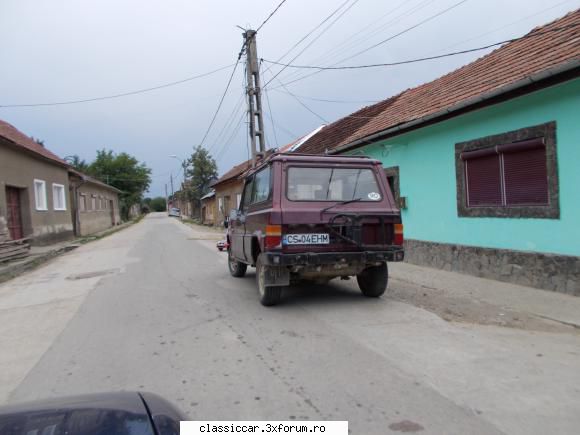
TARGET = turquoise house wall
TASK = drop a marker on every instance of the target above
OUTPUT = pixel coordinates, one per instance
(427, 175)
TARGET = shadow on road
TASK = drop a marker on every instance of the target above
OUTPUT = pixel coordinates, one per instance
(311, 293)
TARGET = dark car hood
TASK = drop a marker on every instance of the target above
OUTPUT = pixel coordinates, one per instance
(125, 413)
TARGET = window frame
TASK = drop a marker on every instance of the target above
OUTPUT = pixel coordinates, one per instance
(244, 205)
(44, 205)
(546, 131)
(253, 194)
(331, 167)
(54, 196)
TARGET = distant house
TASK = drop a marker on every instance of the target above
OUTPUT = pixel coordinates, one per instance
(228, 188)
(34, 190)
(484, 161)
(95, 204)
(208, 208)
(228, 191)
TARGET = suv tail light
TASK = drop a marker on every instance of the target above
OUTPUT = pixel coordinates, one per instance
(273, 237)
(399, 239)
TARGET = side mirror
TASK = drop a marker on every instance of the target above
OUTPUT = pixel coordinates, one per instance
(234, 214)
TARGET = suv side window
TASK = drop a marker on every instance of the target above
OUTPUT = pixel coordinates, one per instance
(261, 186)
(247, 195)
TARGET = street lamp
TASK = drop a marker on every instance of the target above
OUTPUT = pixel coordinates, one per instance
(183, 164)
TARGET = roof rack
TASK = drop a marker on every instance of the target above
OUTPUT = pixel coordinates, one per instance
(322, 155)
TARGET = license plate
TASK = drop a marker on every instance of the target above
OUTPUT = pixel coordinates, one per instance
(306, 239)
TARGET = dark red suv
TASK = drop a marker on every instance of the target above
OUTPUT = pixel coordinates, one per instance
(308, 217)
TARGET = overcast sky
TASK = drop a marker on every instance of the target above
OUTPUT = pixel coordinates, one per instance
(61, 50)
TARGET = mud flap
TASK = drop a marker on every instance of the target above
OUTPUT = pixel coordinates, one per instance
(277, 276)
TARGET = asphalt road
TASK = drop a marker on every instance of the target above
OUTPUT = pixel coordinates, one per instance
(164, 315)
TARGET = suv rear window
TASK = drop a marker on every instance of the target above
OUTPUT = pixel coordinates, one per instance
(332, 184)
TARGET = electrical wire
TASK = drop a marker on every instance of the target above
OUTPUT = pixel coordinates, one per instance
(302, 103)
(221, 101)
(527, 17)
(271, 15)
(363, 36)
(327, 100)
(408, 29)
(229, 122)
(422, 59)
(281, 127)
(314, 40)
(124, 94)
(271, 115)
(296, 44)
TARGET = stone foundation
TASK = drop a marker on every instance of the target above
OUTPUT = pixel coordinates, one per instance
(560, 273)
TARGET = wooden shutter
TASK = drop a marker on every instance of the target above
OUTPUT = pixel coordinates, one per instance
(483, 180)
(525, 173)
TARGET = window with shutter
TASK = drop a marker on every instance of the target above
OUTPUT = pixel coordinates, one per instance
(526, 176)
(483, 179)
(509, 175)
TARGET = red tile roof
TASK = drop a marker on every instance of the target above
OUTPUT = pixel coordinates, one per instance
(235, 172)
(19, 139)
(544, 48)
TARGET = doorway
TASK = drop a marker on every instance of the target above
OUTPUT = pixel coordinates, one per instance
(14, 213)
(112, 209)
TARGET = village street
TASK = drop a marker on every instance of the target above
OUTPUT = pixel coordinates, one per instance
(154, 308)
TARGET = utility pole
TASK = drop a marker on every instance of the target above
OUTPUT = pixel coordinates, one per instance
(171, 179)
(254, 95)
(166, 198)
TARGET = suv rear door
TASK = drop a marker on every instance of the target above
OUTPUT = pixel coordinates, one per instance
(316, 195)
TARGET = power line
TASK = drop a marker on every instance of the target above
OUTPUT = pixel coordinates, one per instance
(408, 29)
(327, 100)
(124, 94)
(229, 122)
(315, 39)
(296, 44)
(223, 95)
(271, 15)
(271, 115)
(527, 17)
(281, 127)
(227, 143)
(422, 59)
(302, 103)
(352, 41)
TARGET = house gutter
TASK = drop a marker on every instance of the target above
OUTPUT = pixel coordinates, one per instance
(534, 78)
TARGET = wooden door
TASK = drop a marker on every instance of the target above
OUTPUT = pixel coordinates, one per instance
(14, 213)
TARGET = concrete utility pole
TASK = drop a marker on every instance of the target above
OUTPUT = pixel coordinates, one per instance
(171, 180)
(254, 95)
(166, 198)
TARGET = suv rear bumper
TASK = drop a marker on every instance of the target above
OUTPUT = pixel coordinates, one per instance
(316, 258)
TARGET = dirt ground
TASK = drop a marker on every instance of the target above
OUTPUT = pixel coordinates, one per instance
(454, 308)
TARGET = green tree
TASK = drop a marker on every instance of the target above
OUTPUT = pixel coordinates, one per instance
(201, 170)
(158, 204)
(78, 163)
(124, 172)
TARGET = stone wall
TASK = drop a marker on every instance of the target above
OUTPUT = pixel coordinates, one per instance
(560, 273)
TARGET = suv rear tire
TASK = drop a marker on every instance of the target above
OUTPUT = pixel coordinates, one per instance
(373, 280)
(237, 268)
(269, 295)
